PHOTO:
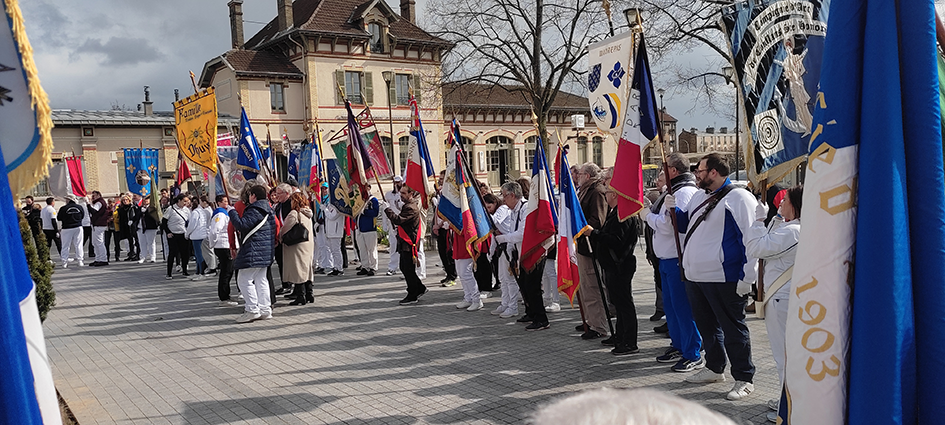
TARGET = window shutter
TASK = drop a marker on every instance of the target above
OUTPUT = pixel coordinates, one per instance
(513, 153)
(339, 82)
(392, 93)
(416, 88)
(369, 88)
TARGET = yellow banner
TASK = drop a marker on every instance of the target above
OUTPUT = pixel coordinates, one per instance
(196, 120)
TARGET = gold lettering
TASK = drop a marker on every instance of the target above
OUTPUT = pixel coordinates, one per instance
(828, 342)
(824, 152)
(825, 198)
(821, 313)
(824, 370)
(806, 286)
(821, 101)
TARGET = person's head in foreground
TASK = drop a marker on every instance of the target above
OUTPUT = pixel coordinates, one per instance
(608, 406)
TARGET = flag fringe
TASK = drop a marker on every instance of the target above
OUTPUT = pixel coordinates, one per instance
(36, 166)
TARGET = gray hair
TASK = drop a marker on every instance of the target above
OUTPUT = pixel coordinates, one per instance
(607, 174)
(678, 161)
(513, 188)
(592, 170)
(626, 407)
(285, 187)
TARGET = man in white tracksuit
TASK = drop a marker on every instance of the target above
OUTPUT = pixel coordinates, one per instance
(71, 216)
(718, 272)
(511, 296)
(323, 260)
(334, 232)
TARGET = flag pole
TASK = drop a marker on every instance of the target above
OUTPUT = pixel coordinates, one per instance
(377, 130)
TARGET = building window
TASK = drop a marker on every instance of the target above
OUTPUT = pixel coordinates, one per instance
(582, 150)
(277, 97)
(402, 86)
(377, 40)
(598, 151)
(388, 147)
(353, 87)
(404, 147)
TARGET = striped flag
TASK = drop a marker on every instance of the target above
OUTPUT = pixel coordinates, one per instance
(66, 178)
(571, 226)
(249, 157)
(640, 126)
(459, 202)
(864, 339)
(419, 166)
(540, 221)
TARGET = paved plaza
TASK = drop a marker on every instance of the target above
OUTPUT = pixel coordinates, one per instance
(129, 347)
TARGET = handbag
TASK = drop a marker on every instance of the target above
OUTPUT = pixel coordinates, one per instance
(297, 234)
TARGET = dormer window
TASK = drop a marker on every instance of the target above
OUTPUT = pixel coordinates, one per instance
(377, 37)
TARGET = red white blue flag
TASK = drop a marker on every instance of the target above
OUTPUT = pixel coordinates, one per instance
(540, 220)
(460, 204)
(419, 166)
(571, 226)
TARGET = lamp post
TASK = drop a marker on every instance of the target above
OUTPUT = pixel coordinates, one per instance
(730, 77)
(388, 78)
(661, 92)
(633, 17)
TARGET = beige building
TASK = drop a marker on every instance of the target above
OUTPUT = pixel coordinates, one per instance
(288, 75)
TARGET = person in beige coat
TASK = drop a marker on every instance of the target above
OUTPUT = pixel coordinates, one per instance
(297, 259)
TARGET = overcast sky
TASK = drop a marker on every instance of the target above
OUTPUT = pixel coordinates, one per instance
(92, 54)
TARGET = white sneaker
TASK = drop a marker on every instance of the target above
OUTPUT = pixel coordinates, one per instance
(740, 390)
(498, 310)
(463, 304)
(239, 297)
(247, 317)
(141, 261)
(772, 417)
(475, 306)
(773, 404)
(508, 313)
(706, 376)
(65, 265)
(81, 264)
(265, 316)
(553, 308)
(228, 303)
(484, 295)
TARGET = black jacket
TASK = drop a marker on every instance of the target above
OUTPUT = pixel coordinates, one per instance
(614, 241)
(71, 215)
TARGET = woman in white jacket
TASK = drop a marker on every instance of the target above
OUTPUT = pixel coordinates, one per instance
(776, 244)
(197, 227)
(220, 244)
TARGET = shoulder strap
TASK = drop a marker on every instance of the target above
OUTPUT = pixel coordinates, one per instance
(256, 229)
(709, 205)
(769, 292)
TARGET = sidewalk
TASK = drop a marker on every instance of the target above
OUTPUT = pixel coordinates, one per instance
(129, 347)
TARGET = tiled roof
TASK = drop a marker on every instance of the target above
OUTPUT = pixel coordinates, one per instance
(331, 17)
(473, 95)
(261, 62)
(69, 117)
(667, 117)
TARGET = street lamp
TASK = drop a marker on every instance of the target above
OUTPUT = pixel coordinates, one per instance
(662, 128)
(633, 17)
(731, 78)
(388, 78)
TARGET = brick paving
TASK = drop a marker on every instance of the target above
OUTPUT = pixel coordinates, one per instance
(129, 347)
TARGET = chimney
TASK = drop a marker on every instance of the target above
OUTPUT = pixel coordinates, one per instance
(148, 104)
(408, 10)
(285, 14)
(236, 23)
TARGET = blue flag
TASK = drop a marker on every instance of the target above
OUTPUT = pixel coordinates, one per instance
(140, 163)
(249, 159)
(339, 191)
(866, 345)
(293, 167)
(305, 165)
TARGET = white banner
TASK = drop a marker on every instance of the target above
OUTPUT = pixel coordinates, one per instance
(610, 65)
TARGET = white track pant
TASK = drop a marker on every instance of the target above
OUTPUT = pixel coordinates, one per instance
(511, 295)
(148, 252)
(422, 258)
(464, 268)
(394, 264)
(255, 289)
(776, 312)
(322, 250)
(98, 241)
(367, 245)
(72, 240)
(549, 283)
(334, 248)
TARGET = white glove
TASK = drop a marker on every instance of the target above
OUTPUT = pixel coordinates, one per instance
(761, 211)
(670, 202)
(742, 288)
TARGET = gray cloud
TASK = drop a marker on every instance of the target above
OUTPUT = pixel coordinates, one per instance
(121, 51)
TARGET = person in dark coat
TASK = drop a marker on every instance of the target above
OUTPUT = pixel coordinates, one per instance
(256, 232)
(408, 228)
(128, 216)
(613, 244)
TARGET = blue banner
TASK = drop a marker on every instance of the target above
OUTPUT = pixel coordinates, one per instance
(339, 190)
(305, 165)
(249, 158)
(141, 167)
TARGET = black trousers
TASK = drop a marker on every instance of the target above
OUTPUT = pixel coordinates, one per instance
(278, 253)
(134, 247)
(720, 317)
(53, 237)
(483, 272)
(87, 239)
(344, 253)
(617, 280)
(529, 283)
(414, 286)
(178, 246)
(225, 272)
(444, 248)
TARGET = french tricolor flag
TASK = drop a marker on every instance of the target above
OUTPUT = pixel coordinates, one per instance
(540, 219)
(66, 178)
(27, 395)
(571, 225)
(640, 126)
(419, 166)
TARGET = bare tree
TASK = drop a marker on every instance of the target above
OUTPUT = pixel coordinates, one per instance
(534, 47)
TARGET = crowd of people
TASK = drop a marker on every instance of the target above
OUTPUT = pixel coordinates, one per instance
(704, 237)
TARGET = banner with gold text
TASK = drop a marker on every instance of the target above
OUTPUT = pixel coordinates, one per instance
(196, 121)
